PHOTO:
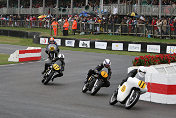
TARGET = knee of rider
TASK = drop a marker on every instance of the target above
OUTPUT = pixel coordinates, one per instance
(108, 83)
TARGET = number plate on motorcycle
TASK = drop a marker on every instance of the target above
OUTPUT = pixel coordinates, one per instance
(52, 48)
(123, 88)
(141, 84)
(56, 67)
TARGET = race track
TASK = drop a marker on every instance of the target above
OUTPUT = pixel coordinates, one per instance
(22, 95)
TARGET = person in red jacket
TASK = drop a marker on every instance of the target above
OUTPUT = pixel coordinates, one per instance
(172, 27)
(65, 28)
(74, 26)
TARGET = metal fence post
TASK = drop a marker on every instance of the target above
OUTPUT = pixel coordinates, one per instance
(57, 31)
(113, 28)
(153, 32)
(170, 31)
(136, 29)
(121, 29)
(145, 30)
(51, 31)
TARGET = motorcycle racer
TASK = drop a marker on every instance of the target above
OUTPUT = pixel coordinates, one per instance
(52, 41)
(106, 63)
(138, 73)
(50, 62)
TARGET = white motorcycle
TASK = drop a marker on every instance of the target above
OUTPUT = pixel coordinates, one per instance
(129, 92)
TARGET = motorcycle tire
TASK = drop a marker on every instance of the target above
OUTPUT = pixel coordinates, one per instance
(45, 82)
(84, 88)
(132, 99)
(113, 99)
(96, 88)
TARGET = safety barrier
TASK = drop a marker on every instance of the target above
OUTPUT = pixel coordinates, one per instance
(30, 54)
(161, 83)
(160, 48)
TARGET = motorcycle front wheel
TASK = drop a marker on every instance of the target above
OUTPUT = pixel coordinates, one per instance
(47, 79)
(84, 88)
(113, 99)
(132, 99)
(96, 87)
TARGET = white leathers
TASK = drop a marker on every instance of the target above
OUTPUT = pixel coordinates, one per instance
(141, 73)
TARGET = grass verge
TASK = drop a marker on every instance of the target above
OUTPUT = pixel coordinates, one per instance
(4, 59)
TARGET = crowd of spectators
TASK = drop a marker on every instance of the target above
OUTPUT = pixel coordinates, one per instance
(80, 3)
(163, 26)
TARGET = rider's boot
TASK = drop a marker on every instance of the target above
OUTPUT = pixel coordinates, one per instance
(86, 79)
(43, 71)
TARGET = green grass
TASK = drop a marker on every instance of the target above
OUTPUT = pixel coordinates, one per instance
(4, 59)
(46, 32)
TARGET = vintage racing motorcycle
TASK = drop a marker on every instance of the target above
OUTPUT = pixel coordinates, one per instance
(129, 92)
(52, 70)
(96, 81)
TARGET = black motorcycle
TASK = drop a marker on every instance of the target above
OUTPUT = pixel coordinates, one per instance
(52, 71)
(95, 82)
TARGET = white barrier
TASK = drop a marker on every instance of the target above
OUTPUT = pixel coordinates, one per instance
(161, 83)
(30, 54)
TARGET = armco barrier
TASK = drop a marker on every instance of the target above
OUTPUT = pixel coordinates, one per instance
(161, 83)
(30, 54)
(160, 48)
(21, 34)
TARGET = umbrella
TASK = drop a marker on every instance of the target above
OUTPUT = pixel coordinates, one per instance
(49, 16)
(137, 16)
(2, 18)
(83, 14)
(132, 14)
(42, 16)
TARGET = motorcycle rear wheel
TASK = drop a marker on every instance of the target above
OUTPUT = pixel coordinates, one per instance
(132, 99)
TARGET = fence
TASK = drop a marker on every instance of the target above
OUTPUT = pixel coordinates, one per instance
(142, 30)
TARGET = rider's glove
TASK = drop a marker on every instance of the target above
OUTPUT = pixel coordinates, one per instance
(96, 71)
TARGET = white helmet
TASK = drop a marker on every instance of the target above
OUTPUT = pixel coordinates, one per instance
(107, 63)
(141, 72)
(61, 56)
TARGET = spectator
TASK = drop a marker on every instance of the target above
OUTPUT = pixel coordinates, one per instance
(74, 26)
(55, 26)
(65, 28)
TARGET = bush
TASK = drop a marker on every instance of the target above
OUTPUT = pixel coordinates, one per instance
(148, 60)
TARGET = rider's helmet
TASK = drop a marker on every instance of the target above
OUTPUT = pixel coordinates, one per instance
(51, 40)
(141, 72)
(61, 56)
(107, 63)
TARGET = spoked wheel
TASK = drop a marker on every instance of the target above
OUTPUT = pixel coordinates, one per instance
(113, 99)
(47, 79)
(95, 89)
(84, 88)
(43, 77)
(132, 99)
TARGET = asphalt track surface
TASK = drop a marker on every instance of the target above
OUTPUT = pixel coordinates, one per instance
(22, 95)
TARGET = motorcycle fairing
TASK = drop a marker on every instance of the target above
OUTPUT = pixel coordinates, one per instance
(125, 89)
